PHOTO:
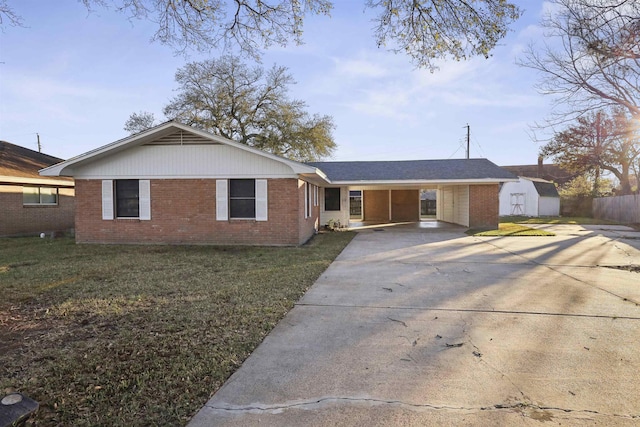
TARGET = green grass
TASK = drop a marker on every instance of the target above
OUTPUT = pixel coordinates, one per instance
(126, 335)
(555, 220)
(512, 229)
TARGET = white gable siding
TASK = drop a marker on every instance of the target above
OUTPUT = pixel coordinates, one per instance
(549, 206)
(184, 161)
(529, 199)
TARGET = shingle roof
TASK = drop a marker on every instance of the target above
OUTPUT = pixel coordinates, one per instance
(546, 189)
(419, 170)
(550, 172)
(23, 162)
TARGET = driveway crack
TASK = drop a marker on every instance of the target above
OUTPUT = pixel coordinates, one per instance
(478, 353)
(316, 403)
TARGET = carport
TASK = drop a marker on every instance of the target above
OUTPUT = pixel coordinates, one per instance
(466, 190)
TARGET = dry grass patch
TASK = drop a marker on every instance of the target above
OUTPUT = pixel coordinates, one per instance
(555, 220)
(512, 229)
(120, 334)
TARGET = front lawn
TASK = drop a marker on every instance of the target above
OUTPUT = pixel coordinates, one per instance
(140, 335)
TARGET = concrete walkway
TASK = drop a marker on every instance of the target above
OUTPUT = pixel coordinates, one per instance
(439, 328)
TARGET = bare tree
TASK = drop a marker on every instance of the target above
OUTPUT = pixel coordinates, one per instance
(594, 61)
(8, 15)
(139, 122)
(424, 29)
(250, 105)
(437, 29)
(204, 25)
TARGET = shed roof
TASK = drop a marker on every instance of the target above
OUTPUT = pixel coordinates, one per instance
(414, 170)
(545, 189)
(548, 171)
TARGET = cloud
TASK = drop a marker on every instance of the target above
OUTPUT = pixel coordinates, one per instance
(56, 98)
(359, 68)
(384, 102)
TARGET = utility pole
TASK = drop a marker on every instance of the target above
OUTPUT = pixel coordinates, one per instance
(468, 137)
(39, 146)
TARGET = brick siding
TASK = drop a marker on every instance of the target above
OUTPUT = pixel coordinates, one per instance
(483, 206)
(18, 219)
(183, 211)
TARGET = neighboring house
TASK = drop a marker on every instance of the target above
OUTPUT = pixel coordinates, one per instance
(548, 172)
(30, 203)
(176, 184)
(529, 197)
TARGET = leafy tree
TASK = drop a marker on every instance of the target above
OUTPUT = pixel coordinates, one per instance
(582, 187)
(591, 59)
(138, 122)
(424, 29)
(596, 142)
(250, 105)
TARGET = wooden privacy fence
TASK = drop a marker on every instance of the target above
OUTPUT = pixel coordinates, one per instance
(624, 209)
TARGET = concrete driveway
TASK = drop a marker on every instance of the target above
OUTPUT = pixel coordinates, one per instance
(439, 328)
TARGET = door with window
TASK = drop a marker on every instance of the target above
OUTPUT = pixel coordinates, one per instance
(355, 204)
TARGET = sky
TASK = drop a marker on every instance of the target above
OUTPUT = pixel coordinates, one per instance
(74, 77)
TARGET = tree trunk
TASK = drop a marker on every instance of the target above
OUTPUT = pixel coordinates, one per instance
(625, 185)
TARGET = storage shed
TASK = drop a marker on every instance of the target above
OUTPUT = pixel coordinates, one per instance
(529, 197)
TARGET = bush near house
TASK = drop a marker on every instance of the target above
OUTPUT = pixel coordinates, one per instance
(140, 335)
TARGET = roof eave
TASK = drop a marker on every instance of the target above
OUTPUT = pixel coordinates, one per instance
(425, 181)
(66, 168)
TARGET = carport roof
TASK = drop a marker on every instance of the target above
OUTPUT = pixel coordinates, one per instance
(414, 170)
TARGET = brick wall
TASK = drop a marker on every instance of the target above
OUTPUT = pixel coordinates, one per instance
(376, 205)
(18, 219)
(405, 205)
(483, 206)
(184, 211)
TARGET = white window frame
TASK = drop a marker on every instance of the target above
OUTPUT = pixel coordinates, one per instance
(109, 200)
(40, 202)
(261, 201)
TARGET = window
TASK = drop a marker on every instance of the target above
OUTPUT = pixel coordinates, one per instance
(127, 198)
(242, 198)
(39, 196)
(331, 199)
(355, 204)
(308, 199)
(132, 199)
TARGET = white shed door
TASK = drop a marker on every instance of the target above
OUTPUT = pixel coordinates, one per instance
(517, 204)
